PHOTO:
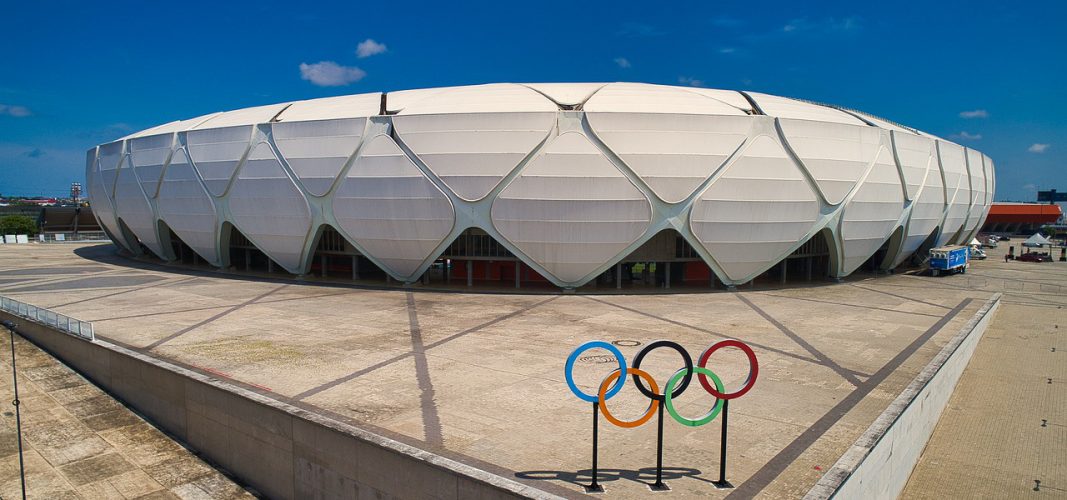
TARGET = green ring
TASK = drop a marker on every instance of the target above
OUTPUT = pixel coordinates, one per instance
(712, 413)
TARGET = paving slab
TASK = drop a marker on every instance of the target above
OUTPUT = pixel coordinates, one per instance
(479, 377)
(80, 443)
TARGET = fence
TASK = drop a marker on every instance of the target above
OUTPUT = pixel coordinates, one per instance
(69, 237)
(82, 329)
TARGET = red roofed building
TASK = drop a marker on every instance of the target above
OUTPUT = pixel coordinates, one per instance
(1020, 217)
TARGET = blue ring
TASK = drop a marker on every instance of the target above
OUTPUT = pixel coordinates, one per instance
(569, 370)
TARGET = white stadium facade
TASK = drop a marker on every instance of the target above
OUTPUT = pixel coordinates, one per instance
(558, 184)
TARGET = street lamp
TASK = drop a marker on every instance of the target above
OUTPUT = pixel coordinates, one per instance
(18, 417)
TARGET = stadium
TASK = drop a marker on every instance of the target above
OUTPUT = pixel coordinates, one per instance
(557, 185)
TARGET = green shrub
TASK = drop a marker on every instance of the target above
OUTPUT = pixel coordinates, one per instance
(18, 224)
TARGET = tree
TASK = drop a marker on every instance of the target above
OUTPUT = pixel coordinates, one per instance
(18, 224)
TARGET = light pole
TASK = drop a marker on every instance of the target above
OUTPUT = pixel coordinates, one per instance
(18, 417)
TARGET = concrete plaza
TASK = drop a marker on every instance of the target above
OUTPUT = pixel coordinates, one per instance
(479, 377)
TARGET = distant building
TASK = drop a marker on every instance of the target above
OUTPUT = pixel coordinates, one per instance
(1020, 217)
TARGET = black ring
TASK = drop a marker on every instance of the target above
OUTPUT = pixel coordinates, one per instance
(688, 369)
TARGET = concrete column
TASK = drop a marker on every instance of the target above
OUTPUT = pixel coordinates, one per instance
(355, 267)
(618, 276)
(270, 268)
(517, 266)
(667, 276)
(448, 271)
(322, 264)
(810, 265)
(784, 269)
(248, 260)
(470, 273)
(488, 267)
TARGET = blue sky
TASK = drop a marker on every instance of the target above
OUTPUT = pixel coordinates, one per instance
(990, 75)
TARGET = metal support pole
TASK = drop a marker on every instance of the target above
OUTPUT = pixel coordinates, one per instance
(322, 264)
(594, 486)
(518, 265)
(722, 482)
(659, 485)
(784, 269)
(18, 415)
(618, 275)
(470, 273)
(667, 276)
(270, 265)
(810, 265)
(448, 271)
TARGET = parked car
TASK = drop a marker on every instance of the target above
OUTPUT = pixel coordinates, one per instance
(1034, 257)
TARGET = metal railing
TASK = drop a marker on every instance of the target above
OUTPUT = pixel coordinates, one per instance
(72, 237)
(78, 328)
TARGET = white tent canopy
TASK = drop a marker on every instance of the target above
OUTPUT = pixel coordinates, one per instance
(975, 242)
(1037, 240)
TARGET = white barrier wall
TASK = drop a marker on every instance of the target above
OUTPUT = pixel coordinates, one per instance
(879, 464)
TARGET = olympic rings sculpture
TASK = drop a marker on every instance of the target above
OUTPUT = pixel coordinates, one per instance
(675, 387)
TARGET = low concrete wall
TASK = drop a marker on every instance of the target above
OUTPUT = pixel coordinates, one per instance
(879, 463)
(280, 450)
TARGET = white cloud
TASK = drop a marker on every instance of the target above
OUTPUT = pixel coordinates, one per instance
(623, 62)
(690, 81)
(14, 110)
(1037, 148)
(727, 50)
(977, 113)
(967, 136)
(330, 74)
(369, 47)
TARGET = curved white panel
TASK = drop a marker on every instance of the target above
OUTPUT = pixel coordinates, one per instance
(913, 152)
(471, 153)
(729, 97)
(835, 155)
(990, 181)
(872, 213)
(647, 98)
(187, 208)
(267, 207)
(331, 108)
(172, 127)
(238, 117)
(491, 98)
(317, 150)
(396, 102)
(571, 210)
(926, 211)
(957, 192)
(977, 175)
(108, 166)
(216, 153)
(673, 154)
(132, 207)
(566, 94)
(390, 209)
(147, 156)
(100, 201)
(784, 107)
(756, 211)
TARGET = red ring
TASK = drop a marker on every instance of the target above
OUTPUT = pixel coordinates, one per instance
(753, 368)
